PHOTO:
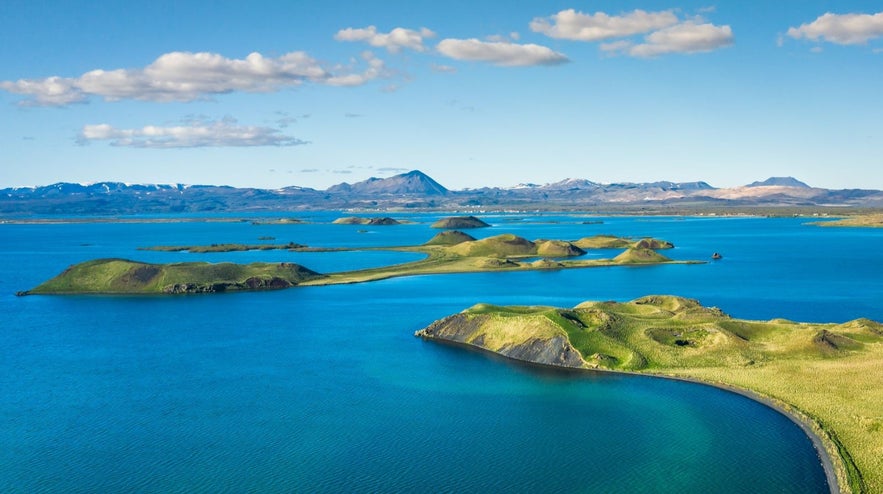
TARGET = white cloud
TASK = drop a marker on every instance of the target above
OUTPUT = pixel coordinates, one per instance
(220, 133)
(573, 25)
(620, 46)
(351, 77)
(686, 37)
(185, 76)
(842, 29)
(500, 53)
(393, 41)
(442, 68)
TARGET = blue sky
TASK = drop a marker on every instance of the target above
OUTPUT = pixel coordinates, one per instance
(271, 94)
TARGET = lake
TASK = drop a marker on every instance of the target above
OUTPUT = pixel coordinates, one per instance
(325, 389)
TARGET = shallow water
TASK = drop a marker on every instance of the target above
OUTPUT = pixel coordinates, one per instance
(325, 389)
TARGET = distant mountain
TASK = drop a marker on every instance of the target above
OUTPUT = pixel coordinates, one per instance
(681, 185)
(571, 184)
(412, 183)
(781, 182)
(416, 190)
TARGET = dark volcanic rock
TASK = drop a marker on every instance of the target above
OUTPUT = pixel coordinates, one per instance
(555, 351)
(459, 328)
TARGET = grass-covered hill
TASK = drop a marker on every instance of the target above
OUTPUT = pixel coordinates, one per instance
(614, 242)
(509, 245)
(460, 222)
(830, 374)
(450, 237)
(640, 256)
(124, 276)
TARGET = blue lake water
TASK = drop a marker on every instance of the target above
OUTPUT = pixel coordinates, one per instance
(325, 389)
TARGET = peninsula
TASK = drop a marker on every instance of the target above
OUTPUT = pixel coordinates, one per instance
(826, 375)
(447, 252)
(874, 220)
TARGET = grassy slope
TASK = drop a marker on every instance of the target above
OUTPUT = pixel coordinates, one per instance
(831, 374)
(450, 237)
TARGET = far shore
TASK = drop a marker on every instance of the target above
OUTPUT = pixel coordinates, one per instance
(291, 217)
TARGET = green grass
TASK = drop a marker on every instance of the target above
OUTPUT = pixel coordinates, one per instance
(830, 375)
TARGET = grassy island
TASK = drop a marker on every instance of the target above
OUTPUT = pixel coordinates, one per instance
(456, 222)
(201, 249)
(123, 276)
(828, 376)
(448, 252)
(505, 252)
(357, 220)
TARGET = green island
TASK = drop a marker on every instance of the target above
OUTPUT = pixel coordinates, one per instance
(202, 249)
(447, 252)
(461, 222)
(358, 220)
(827, 377)
(123, 276)
(279, 221)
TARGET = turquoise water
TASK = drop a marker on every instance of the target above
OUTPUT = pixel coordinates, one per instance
(325, 389)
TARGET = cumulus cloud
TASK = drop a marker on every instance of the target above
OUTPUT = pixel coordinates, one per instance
(686, 37)
(664, 32)
(500, 53)
(220, 133)
(573, 25)
(394, 41)
(185, 76)
(842, 29)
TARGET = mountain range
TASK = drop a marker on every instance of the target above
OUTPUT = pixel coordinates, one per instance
(416, 190)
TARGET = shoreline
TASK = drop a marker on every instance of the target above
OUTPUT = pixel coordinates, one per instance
(805, 424)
